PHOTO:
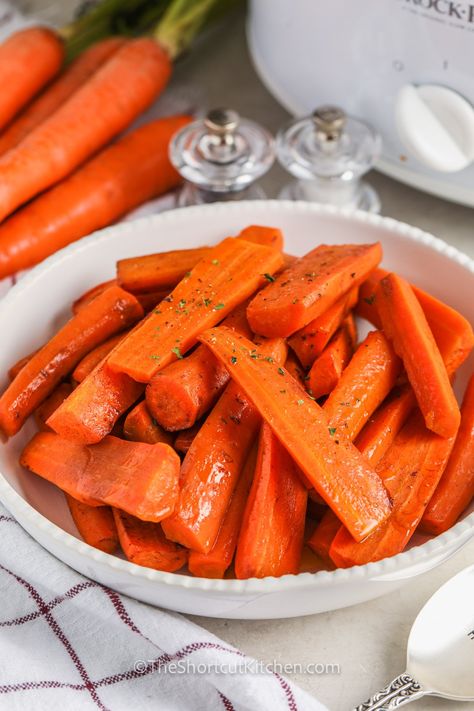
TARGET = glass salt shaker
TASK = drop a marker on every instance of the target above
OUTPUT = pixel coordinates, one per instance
(328, 153)
(221, 157)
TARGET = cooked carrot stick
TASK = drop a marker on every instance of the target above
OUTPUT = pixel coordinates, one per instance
(93, 408)
(295, 369)
(410, 470)
(185, 438)
(309, 287)
(102, 474)
(363, 386)
(155, 272)
(48, 406)
(334, 466)
(29, 59)
(228, 275)
(271, 536)
(214, 463)
(182, 392)
(265, 236)
(95, 524)
(406, 326)
(92, 359)
(139, 426)
(134, 169)
(144, 543)
(20, 364)
(310, 342)
(74, 76)
(456, 488)
(323, 535)
(91, 293)
(452, 332)
(215, 563)
(110, 312)
(150, 301)
(327, 369)
(112, 98)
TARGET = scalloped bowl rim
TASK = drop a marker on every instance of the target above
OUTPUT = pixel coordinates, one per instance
(455, 537)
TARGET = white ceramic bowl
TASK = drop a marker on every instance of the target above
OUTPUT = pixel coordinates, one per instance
(41, 301)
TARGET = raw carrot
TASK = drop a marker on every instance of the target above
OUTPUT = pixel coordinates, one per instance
(327, 369)
(185, 438)
(271, 536)
(29, 59)
(95, 524)
(182, 392)
(133, 170)
(93, 408)
(112, 98)
(139, 426)
(215, 563)
(74, 76)
(452, 332)
(214, 463)
(110, 312)
(363, 386)
(144, 543)
(309, 287)
(48, 406)
(310, 342)
(406, 326)
(102, 474)
(155, 272)
(94, 357)
(410, 470)
(455, 491)
(323, 535)
(265, 236)
(228, 275)
(334, 466)
(91, 293)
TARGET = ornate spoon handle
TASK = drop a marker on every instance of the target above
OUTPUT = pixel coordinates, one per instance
(400, 691)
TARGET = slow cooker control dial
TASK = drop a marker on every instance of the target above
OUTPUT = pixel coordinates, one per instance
(436, 125)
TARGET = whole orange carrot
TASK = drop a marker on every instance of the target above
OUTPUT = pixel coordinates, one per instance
(29, 59)
(95, 524)
(58, 92)
(113, 97)
(134, 169)
(110, 312)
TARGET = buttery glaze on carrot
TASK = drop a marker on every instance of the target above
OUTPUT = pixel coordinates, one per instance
(139, 426)
(95, 524)
(327, 369)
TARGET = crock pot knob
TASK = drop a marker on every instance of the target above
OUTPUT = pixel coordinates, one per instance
(221, 157)
(328, 152)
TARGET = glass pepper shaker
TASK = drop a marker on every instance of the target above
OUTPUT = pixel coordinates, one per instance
(328, 152)
(221, 157)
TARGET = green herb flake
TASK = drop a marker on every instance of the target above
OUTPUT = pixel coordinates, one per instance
(155, 357)
(218, 307)
(269, 277)
(281, 371)
(187, 275)
(370, 299)
(269, 359)
(157, 311)
(332, 431)
(300, 402)
(182, 304)
(215, 262)
(233, 360)
(207, 302)
(177, 352)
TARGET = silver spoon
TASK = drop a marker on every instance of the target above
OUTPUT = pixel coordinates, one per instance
(440, 656)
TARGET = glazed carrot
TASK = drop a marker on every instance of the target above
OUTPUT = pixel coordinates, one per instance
(93, 408)
(91, 293)
(155, 272)
(144, 543)
(452, 332)
(271, 536)
(215, 563)
(456, 488)
(327, 369)
(265, 236)
(181, 393)
(410, 470)
(112, 98)
(102, 474)
(151, 300)
(185, 438)
(309, 287)
(214, 463)
(29, 59)
(310, 342)
(131, 171)
(94, 357)
(228, 275)
(48, 406)
(295, 369)
(334, 466)
(363, 386)
(95, 524)
(323, 536)
(139, 426)
(20, 364)
(406, 326)
(74, 76)
(110, 312)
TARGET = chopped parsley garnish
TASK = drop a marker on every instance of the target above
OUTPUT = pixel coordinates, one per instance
(332, 431)
(281, 371)
(218, 307)
(155, 357)
(215, 262)
(207, 302)
(300, 402)
(269, 277)
(233, 360)
(177, 352)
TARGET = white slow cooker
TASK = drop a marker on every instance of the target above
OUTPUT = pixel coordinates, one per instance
(405, 66)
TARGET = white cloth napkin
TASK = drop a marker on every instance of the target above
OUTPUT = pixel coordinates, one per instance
(67, 642)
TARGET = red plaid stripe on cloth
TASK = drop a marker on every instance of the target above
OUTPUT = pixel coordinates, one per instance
(67, 642)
